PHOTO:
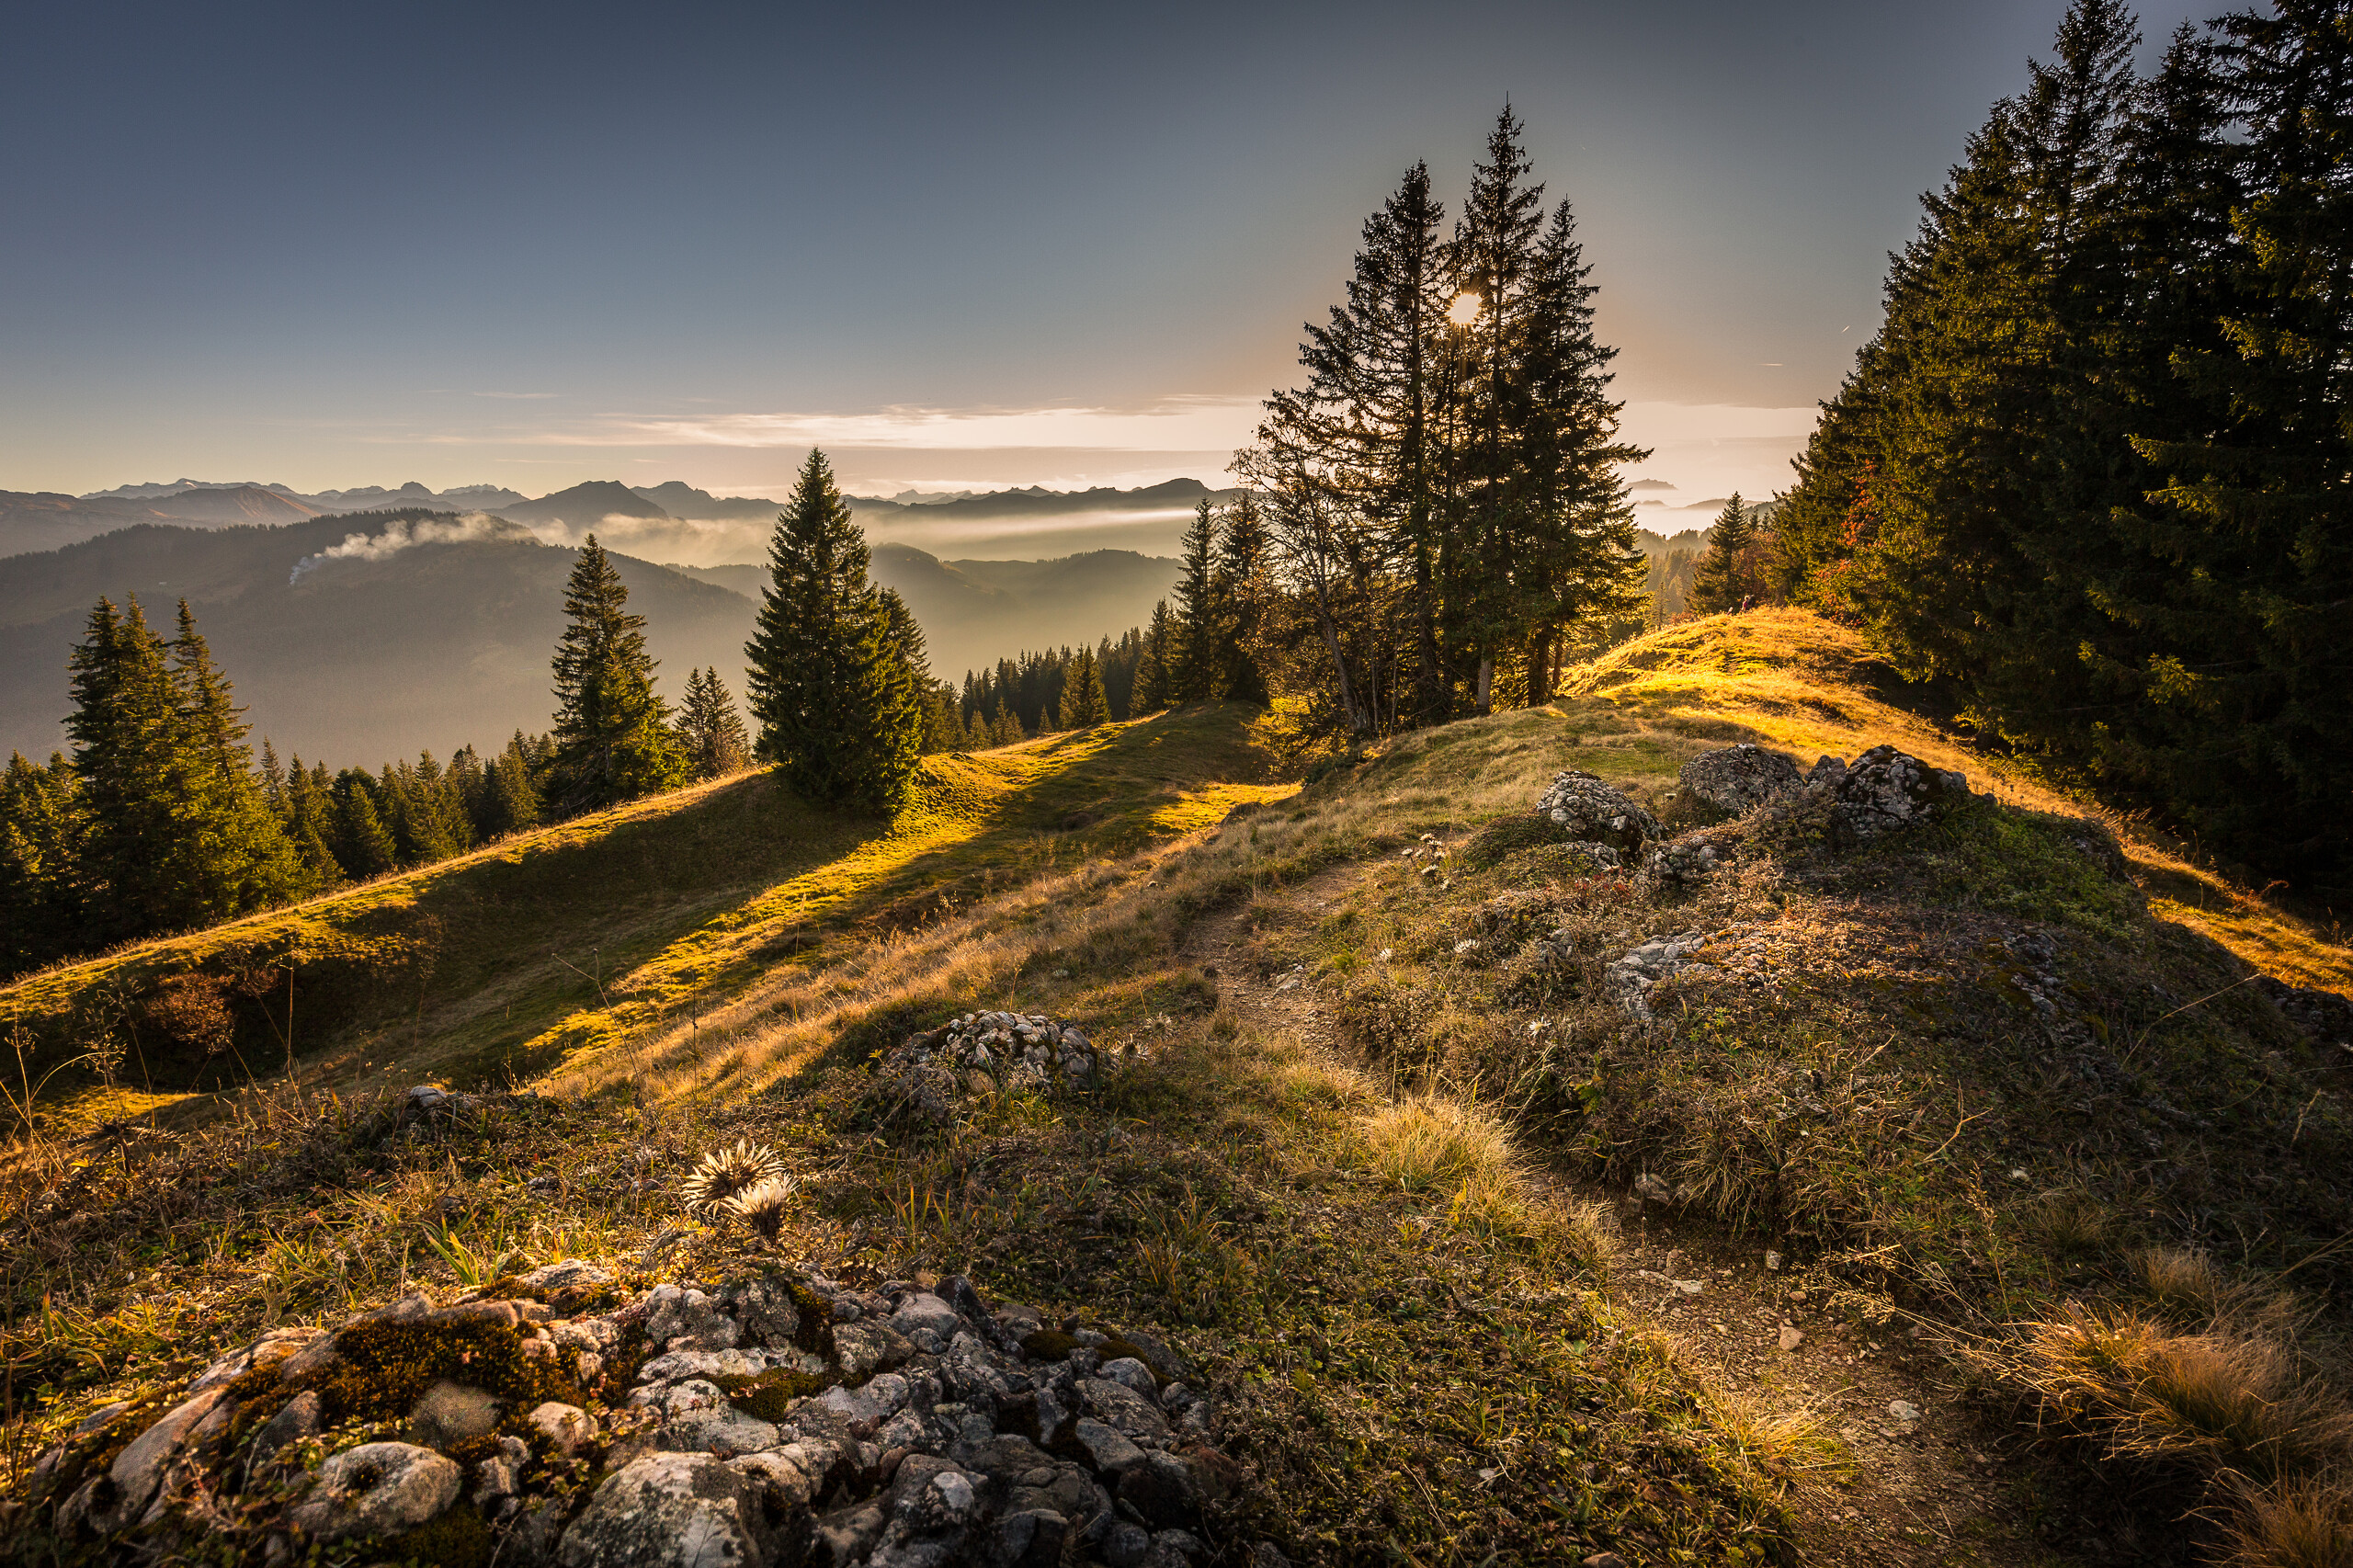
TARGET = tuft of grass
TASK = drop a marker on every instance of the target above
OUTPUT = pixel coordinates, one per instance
(2304, 1523)
(1785, 1446)
(1429, 1142)
(2238, 1404)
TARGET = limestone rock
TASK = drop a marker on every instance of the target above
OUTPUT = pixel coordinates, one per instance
(1586, 809)
(1885, 790)
(1738, 778)
(676, 1315)
(1163, 1490)
(377, 1489)
(1630, 976)
(1686, 861)
(567, 1285)
(140, 1471)
(300, 1417)
(930, 1073)
(673, 1511)
(567, 1428)
(1116, 1405)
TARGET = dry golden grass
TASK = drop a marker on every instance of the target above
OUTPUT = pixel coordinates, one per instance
(1430, 1140)
(2232, 1399)
(1792, 680)
(2306, 1523)
(1784, 1446)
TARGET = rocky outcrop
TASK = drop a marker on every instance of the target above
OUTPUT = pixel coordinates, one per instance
(780, 1419)
(1737, 779)
(1885, 790)
(930, 1073)
(1590, 812)
(1630, 977)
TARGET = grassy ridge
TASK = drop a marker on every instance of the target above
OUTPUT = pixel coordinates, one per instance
(1378, 1247)
(505, 963)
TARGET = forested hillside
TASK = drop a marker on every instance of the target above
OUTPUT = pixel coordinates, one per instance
(2096, 470)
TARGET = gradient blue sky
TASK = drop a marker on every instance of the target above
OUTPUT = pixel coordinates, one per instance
(961, 246)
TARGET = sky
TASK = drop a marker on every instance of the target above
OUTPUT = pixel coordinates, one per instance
(959, 246)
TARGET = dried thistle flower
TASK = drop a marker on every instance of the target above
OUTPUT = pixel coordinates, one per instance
(726, 1172)
(763, 1206)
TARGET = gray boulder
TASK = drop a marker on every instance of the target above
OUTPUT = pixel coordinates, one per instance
(142, 1471)
(674, 1511)
(377, 1489)
(1886, 790)
(1121, 1408)
(1584, 807)
(676, 1315)
(1738, 778)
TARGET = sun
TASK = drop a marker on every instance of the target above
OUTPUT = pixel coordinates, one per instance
(1464, 311)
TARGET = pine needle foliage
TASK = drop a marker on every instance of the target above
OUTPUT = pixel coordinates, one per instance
(711, 731)
(836, 679)
(612, 733)
(1083, 704)
(2096, 470)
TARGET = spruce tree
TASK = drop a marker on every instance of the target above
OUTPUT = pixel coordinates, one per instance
(1084, 705)
(41, 915)
(1366, 424)
(612, 733)
(829, 676)
(363, 846)
(511, 801)
(1154, 686)
(1723, 581)
(711, 731)
(310, 826)
(1195, 676)
(1244, 594)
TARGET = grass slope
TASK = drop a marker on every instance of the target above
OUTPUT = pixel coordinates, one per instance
(552, 943)
(1383, 1246)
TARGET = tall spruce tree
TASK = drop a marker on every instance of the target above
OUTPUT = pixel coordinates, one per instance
(174, 830)
(1243, 595)
(839, 707)
(1194, 677)
(612, 733)
(711, 732)
(1726, 577)
(1084, 705)
(308, 822)
(1366, 423)
(40, 914)
(363, 846)
(1154, 686)
(510, 801)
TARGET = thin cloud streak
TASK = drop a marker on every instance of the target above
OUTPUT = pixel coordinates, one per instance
(1187, 424)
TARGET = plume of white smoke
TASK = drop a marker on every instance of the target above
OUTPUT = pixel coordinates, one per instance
(471, 527)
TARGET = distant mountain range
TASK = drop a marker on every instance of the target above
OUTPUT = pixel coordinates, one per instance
(416, 629)
(672, 520)
(976, 612)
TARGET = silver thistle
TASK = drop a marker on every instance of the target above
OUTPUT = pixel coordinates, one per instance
(726, 1172)
(763, 1206)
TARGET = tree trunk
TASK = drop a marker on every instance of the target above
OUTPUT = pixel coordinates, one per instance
(1486, 682)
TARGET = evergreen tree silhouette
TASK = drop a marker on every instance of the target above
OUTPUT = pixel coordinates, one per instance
(612, 733)
(838, 704)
